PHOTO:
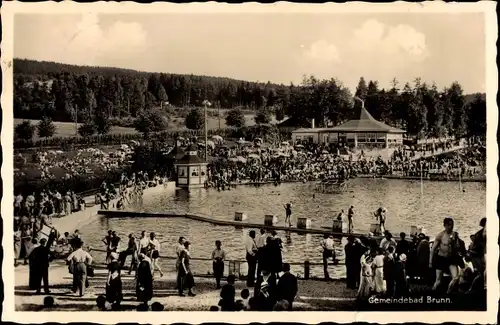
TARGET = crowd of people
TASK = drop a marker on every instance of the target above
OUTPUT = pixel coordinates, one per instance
(53, 164)
(129, 190)
(37, 210)
(469, 163)
(33, 213)
(387, 269)
(254, 163)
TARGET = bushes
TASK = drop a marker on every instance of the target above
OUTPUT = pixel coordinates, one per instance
(150, 121)
(79, 184)
(235, 118)
(265, 131)
(25, 131)
(126, 122)
(195, 119)
(263, 117)
(87, 130)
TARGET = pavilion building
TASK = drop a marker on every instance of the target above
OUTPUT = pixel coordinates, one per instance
(191, 169)
(365, 132)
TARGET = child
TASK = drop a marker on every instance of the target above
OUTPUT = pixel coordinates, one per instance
(227, 295)
(245, 294)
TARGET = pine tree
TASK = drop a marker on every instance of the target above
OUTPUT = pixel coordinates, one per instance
(195, 119)
(235, 118)
(46, 128)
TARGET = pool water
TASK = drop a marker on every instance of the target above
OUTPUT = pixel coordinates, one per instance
(405, 205)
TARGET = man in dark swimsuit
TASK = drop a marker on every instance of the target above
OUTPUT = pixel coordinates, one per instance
(350, 215)
(288, 213)
(443, 255)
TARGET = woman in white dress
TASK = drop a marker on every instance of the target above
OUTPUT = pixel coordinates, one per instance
(378, 272)
(366, 283)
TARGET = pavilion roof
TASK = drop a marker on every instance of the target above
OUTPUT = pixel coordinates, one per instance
(365, 123)
(176, 153)
(190, 158)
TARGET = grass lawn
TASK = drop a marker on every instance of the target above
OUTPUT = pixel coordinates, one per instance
(67, 129)
(213, 122)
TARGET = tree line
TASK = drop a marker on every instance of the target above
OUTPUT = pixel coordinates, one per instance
(419, 108)
(98, 96)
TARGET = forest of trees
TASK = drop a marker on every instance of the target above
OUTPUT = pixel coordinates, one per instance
(95, 94)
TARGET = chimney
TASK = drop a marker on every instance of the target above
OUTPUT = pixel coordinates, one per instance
(312, 124)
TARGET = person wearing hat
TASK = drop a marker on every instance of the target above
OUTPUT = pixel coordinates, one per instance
(266, 292)
(39, 264)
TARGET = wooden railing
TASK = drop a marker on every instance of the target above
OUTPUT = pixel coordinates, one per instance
(235, 264)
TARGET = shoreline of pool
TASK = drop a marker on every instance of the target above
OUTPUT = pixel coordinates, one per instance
(481, 179)
(77, 220)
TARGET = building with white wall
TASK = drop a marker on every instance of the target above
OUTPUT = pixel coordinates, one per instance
(362, 133)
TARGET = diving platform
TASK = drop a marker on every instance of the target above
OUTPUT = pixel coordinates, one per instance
(332, 186)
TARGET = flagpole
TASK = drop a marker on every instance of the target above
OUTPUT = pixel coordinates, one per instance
(206, 103)
(206, 134)
(460, 175)
(421, 180)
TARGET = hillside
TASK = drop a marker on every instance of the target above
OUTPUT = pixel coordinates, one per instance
(67, 93)
(47, 69)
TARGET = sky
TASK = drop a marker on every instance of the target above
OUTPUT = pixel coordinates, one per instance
(275, 47)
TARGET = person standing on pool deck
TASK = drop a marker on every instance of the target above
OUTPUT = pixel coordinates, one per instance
(218, 257)
(288, 214)
(350, 215)
(154, 245)
(80, 260)
(328, 252)
(143, 244)
(178, 250)
(443, 254)
(251, 257)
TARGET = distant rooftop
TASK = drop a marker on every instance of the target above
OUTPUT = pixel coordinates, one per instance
(293, 121)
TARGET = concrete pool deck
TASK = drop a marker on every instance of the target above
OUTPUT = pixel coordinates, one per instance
(312, 295)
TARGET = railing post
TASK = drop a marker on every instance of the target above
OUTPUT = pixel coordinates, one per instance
(307, 268)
